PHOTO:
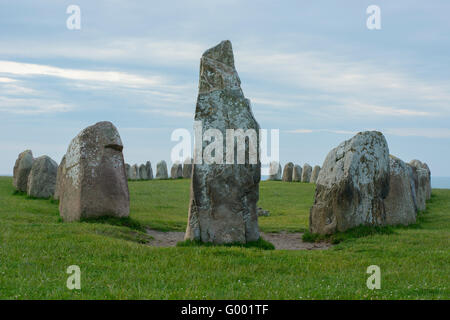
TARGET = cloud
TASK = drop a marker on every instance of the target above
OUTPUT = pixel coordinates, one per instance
(419, 132)
(31, 106)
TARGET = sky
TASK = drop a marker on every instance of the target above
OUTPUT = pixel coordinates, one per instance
(312, 69)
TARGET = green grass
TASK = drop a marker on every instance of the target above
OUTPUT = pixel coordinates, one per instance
(116, 263)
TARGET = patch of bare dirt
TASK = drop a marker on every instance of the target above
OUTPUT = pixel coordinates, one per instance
(281, 241)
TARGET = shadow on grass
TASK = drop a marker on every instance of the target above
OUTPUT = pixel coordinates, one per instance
(121, 222)
(259, 244)
(27, 197)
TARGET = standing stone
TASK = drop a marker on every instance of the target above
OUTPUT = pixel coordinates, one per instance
(306, 174)
(148, 169)
(419, 164)
(128, 170)
(143, 172)
(59, 175)
(421, 180)
(187, 168)
(134, 172)
(176, 172)
(315, 174)
(224, 196)
(399, 204)
(297, 173)
(352, 185)
(42, 178)
(287, 172)
(94, 182)
(274, 171)
(22, 169)
(161, 170)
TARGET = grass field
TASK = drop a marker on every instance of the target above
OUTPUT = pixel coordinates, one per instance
(36, 248)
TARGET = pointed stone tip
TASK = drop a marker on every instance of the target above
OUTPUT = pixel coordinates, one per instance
(223, 52)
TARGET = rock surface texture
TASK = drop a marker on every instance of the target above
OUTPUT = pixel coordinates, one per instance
(306, 173)
(42, 178)
(143, 172)
(22, 169)
(315, 174)
(176, 172)
(297, 173)
(287, 172)
(59, 175)
(187, 168)
(352, 185)
(94, 181)
(161, 170)
(148, 169)
(223, 200)
(275, 171)
(400, 203)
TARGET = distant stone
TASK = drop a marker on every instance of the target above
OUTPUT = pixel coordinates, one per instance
(176, 172)
(42, 178)
(134, 172)
(262, 212)
(287, 172)
(59, 175)
(419, 164)
(161, 170)
(143, 172)
(148, 169)
(306, 173)
(274, 171)
(421, 180)
(297, 173)
(94, 181)
(22, 170)
(223, 196)
(187, 168)
(400, 203)
(315, 174)
(352, 185)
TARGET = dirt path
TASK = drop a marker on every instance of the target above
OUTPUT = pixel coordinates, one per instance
(281, 241)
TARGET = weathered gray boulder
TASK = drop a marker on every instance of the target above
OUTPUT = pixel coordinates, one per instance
(94, 181)
(42, 178)
(352, 185)
(59, 175)
(315, 174)
(161, 170)
(274, 171)
(134, 172)
(128, 170)
(427, 181)
(148, 169)
(143, 172)
(421, 179)
(263, 213)
(306, 173)
(224, 196)
(22, 169)
(176, 172)
(287, 172)
(400, 204)
(297, 173)
(187, 168)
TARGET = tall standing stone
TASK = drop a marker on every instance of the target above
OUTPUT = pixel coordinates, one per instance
(352, 185)
(94, 182)
(128, 170)
(59, 175)
(22, 169)
(274, 171)
(421, 179)
(187, 168)
(399, 204)
(42, 178)
(315, 174)
(224, 196)
(148, 169)
(287, 172)
(306, 173)
(427, 181)
(143, 172)
(161, 170)
(134, 172)
(297, 173)
(176, 172)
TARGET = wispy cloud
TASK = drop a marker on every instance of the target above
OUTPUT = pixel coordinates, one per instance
(31, 106)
